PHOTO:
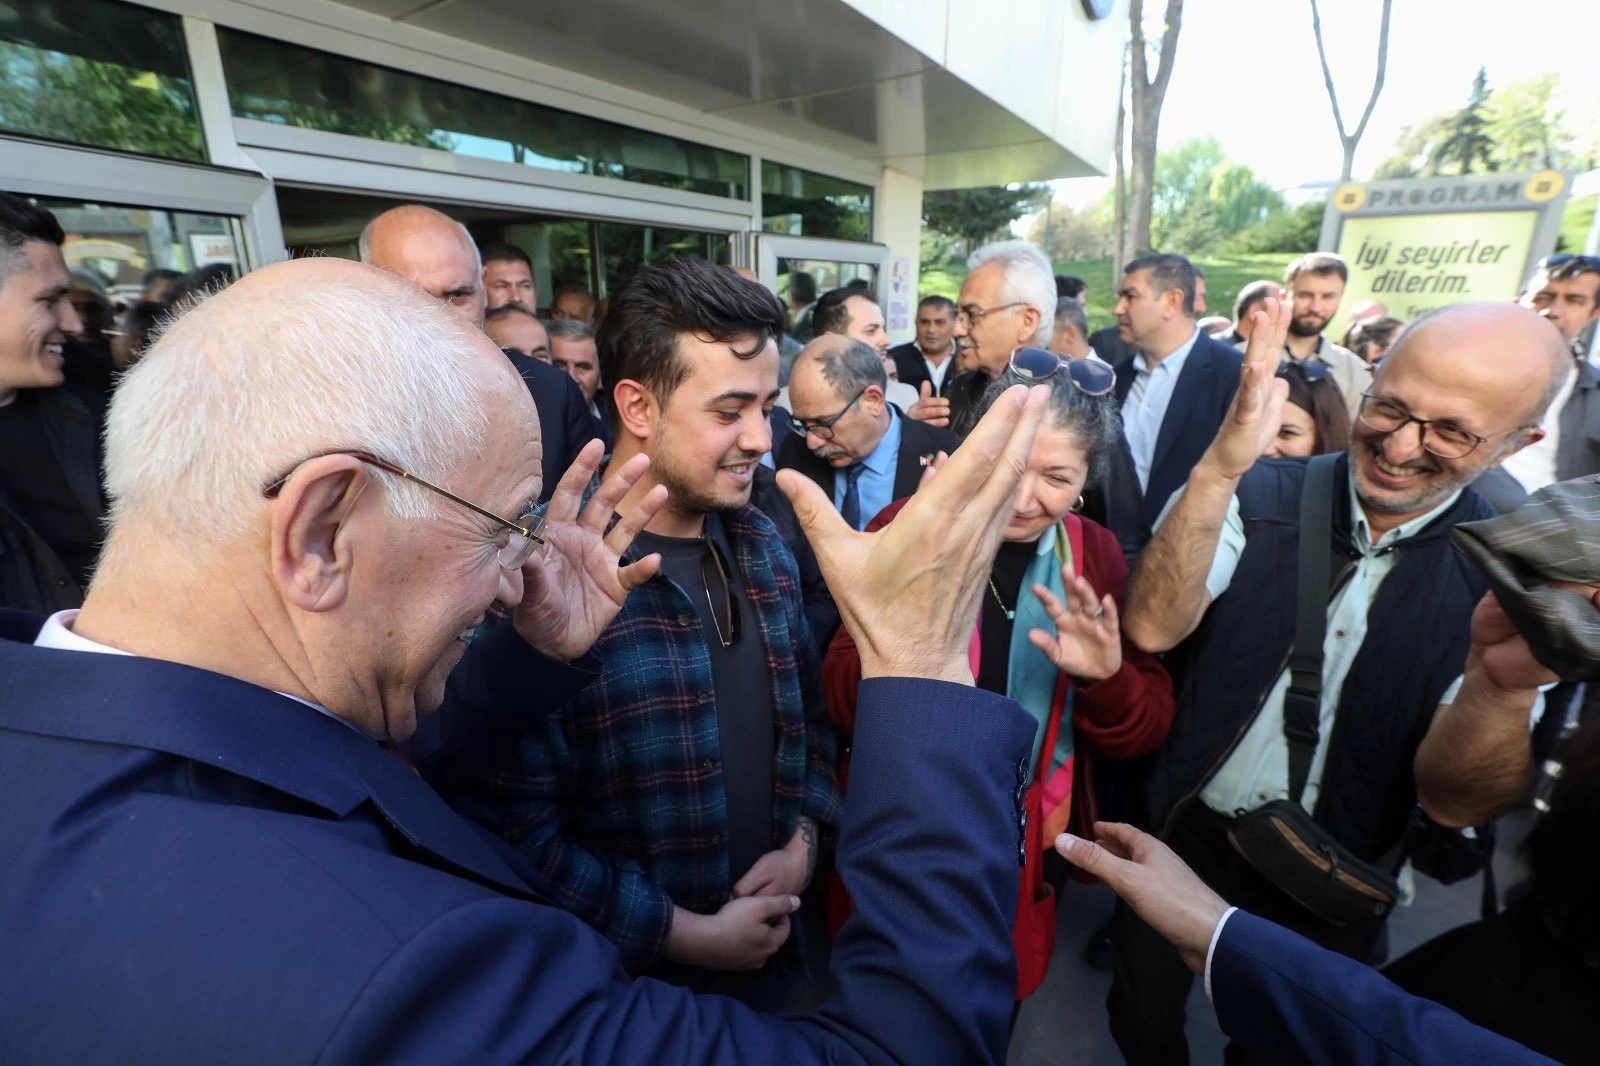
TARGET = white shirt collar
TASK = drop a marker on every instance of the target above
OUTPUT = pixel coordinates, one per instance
(1172, 363)
(57, 633)
(1362, 535)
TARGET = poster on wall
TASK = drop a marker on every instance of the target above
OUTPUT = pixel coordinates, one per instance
(208, 248)
(1423, 243)
(900, 295)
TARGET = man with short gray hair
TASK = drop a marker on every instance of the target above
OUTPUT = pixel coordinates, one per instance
(435, 252)
(1008, 301)
(847, 437)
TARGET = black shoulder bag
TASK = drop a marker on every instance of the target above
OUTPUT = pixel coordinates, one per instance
(1281, 839)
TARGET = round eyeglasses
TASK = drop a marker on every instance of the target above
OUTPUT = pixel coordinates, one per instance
(1091, 376)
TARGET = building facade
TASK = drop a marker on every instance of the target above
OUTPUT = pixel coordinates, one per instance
(793, 136)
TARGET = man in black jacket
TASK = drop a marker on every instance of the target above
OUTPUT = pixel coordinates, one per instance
(847, 437)
(1460, 391)
(50, 501)
(437, 253)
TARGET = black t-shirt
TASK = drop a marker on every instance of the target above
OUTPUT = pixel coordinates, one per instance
(1011, 562)
(37, 485)
(746, 718)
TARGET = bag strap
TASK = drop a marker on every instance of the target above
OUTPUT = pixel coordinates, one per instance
(1302, 705)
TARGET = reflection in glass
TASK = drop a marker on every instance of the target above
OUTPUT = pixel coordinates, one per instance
(825, 274)
(803, 203)
(565, 251)
(99, 73)
(119, 244)
(277, 82)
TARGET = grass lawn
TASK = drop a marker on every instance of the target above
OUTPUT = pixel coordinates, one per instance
(1225, 276)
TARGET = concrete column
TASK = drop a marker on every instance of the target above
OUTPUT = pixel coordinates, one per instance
(899, 225)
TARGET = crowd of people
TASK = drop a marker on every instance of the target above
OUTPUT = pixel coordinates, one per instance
(390, 673)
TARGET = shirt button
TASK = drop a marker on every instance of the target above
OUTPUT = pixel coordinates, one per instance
(708, 764)
(684, 621)
(1339, 633)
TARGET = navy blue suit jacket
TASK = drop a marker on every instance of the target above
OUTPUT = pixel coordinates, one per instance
(565, 424)
(198, 870)
(1200, 401)
(1290, 1001)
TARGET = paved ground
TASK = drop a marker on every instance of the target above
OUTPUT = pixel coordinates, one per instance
(1064, 1023)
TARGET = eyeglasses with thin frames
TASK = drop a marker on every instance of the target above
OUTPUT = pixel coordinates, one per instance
(823, 430)
(970, 316)
(525, 534)
(1441, 437)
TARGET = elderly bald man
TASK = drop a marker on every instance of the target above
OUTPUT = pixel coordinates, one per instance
(212, 851)
(438, 254)
(1352, 735)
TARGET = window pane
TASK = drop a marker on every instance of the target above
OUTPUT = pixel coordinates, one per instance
(277, 82)
(802, 203)
(98, 73)
(625, 248)
(119, 244)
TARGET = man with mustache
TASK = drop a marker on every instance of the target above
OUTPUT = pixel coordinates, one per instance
(1315, 283)
(1460, 391)
(693, 778)
(847, 437)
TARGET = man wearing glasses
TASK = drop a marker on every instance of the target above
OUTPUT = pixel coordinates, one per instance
(847, 437)
(686, 788)
(1462, 390)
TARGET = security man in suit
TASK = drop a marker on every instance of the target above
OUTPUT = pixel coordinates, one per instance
(847, 437)
(1174, 393)
(437, 253)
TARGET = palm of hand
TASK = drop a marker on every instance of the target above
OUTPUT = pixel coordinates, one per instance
(1086, 649)
(573, 591)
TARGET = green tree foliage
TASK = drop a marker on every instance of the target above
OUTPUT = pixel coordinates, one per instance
(1526, 127)
(86, 101)
(1466, 144)
(1294, 232)
(977, 215)
(1182, 185)
(1240, 198)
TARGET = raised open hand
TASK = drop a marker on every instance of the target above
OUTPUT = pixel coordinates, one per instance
(1087, 643)
(1257, 410)
(909, 593)
(573, 584)
(934, 410)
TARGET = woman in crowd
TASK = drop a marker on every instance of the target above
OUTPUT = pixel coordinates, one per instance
(1315, 420)
(1048, 637)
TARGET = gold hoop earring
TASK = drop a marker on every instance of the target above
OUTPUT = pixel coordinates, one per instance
(1077, 505)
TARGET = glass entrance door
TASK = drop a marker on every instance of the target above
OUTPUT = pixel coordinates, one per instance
(799, 269)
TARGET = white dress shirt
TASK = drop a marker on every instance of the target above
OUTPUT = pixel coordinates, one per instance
(1146, 406)
(1534, 467)
(937, 371)
(57, 633)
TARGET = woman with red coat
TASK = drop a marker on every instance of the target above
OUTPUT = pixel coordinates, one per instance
(1048, 637)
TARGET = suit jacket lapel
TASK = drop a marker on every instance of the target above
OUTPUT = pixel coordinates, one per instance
(1191, 383)
(915, 449)
(1126, 373)
(242, 729)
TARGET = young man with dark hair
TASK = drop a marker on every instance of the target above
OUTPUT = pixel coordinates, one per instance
(1315, 283)
(697, 772)
(931, 357)
(508, 276)
(50, 497)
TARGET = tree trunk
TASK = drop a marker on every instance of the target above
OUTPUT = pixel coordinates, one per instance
(1145, 103)
(1119, 216)
(1350, 140)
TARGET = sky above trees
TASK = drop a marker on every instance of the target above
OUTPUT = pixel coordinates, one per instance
(1248, 75)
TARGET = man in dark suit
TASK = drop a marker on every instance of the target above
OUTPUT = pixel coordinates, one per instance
(847, 437)
(212, 851)
(437, 253)
(932, 356)
(1174, 393)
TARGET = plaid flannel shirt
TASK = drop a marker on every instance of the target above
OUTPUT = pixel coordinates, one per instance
(618, 798)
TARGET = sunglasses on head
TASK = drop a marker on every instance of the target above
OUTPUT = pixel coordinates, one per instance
(1309, 371)
(1092, 377)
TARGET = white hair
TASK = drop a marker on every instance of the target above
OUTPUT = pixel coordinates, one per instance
(364, 242)
(1028, 280)
(241, 388)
